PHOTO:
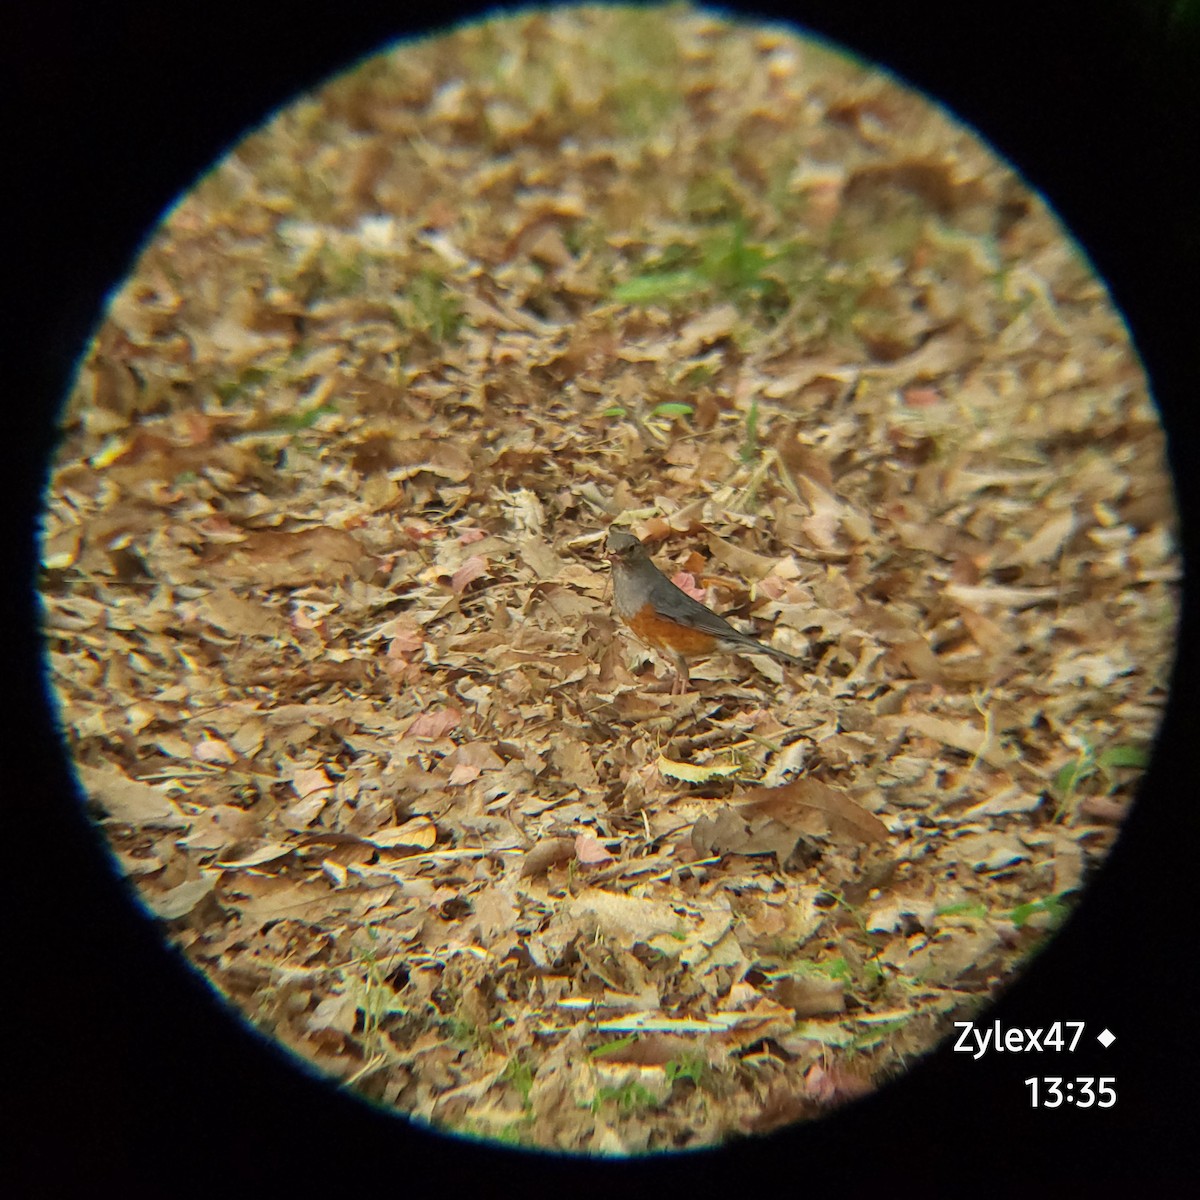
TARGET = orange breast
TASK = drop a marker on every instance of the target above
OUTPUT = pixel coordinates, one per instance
(662, 634)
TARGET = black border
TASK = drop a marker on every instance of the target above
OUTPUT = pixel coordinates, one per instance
(123, 1071)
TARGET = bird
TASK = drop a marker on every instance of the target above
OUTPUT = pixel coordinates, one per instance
(667, 618)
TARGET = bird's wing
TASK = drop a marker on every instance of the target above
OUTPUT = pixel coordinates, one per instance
(671, 601)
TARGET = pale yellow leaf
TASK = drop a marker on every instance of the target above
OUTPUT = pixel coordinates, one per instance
(690, 773)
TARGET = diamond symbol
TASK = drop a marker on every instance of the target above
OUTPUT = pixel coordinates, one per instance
(1105, 1038)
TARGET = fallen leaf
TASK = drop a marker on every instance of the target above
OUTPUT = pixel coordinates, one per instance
(685, 581)
(726, 832)
(1044, 546)
(1008, 597)
(300, 814)
(546, 854)
(961, 735)
(1104, 809)
(690, 773)
(990, 851)
(810, 995)
(405, 640)
(253, 855)
(129, 800)
(627, 918)
(434, 724)
(835, 1084)
(309, 780)
(472, 568)
(180, 900)
(437, 457)
(952, 956)
(220, 826)
(289, 558)
(419, 833)
(815, 808)
(335, 1012)
(213, 750)
(589, 851)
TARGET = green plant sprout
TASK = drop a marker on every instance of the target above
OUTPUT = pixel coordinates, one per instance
(693, 1067)
(1053, 905)
(1088, 763)
(669, 408)
(376, 999)
(305, 419)
(434, 309)
(751, 449)
(629, 1097)
(613, 1046)
(520, 1075)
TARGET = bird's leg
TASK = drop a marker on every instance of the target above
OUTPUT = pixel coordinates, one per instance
(682, 678)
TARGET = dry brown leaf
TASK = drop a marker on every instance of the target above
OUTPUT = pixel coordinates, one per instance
(300, 814)
(308, 781)
(1044, 546)
(1004, 597)
(574, 761)
(540, 557)
(237, 615)
(625, 918)
(691, 773)
(274, 558)
(471, 569)
(438, 458)
(434, 724)
(220, 826)
(835, 1084)
(335, 1012)
(989, 635)
(252, 854)
(1105, 809)
(916, 656)
(744, 564)
(590, 852)
(127, 800)
(420, 834)
(961, 735)
(815, 808)
(724, 832)
(494, 912)
(546, 854)
(810, 995)
(181, 899)
(952, 956)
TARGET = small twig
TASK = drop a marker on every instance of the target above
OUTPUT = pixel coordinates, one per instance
(699, 862)
(977, 699)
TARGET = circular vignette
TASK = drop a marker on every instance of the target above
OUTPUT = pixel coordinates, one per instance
(272, 468)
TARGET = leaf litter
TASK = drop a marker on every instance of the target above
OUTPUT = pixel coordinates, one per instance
(329, 625)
